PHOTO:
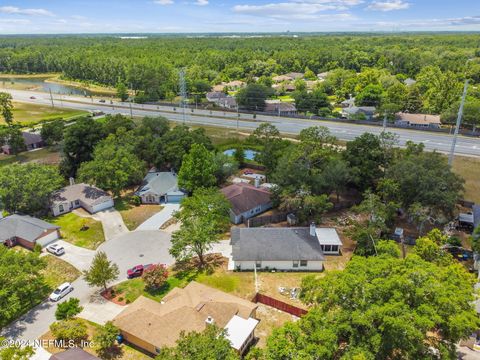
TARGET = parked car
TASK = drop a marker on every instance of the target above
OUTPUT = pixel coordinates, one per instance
(56, 249)
(61, 291)
(32, 97)
(248, 172)
(137, 271)
(102, 101)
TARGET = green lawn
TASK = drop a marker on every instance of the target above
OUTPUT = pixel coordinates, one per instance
(133, 215)
(469, 169)
(32, 113)
(58, 271)
(49, 156)
(79, 231)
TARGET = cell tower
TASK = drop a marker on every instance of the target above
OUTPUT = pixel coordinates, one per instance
(183, 92)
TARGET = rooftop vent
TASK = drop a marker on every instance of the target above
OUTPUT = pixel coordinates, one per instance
(209, 320)
(313, 229)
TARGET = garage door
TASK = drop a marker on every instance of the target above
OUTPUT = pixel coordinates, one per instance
(103, 206)
(45, 240)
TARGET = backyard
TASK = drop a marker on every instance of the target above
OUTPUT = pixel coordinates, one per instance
(50, 156)
(132, 214)
(80, 231)
(469, 169)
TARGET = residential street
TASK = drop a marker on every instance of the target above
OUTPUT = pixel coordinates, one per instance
(127, 249)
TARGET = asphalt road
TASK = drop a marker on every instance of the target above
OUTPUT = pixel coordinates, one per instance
(468, 146)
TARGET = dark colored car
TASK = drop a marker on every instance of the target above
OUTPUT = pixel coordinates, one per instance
(137, 271)
(102, 101)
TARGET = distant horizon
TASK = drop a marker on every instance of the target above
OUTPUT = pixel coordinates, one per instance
(29, 17)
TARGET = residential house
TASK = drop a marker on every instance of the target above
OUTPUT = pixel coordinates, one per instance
(291, 248)
(246, 201)
(32, 141)
(418, 120)
(322, 76)
(73, 353)
(74, 196)
(348, 103)
(219, 87)
(281, 78)
(295, 75)
(353, 112)
(409, 82)
(27, 231)
(284, 87)
(160, 187)
(152, 325)
(235, 84)
(278, 107)
(215, 96)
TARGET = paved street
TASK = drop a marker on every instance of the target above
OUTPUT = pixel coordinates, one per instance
(160, 218)
(344, 131)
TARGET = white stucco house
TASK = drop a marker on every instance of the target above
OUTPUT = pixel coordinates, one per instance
(288, 249)
(246, 201)
(74, 196)
(160, 187)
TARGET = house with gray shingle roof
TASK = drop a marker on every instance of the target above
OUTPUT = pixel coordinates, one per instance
(74, 196)
(27, 231)
(293, 249)
(160, 187)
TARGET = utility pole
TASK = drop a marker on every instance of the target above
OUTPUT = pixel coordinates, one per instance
(385, 122)
(459, 121)
(183, 92)
(51, 97)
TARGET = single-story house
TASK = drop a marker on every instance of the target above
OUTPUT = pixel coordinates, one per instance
(418, 120)
(348, 103)
(291, 248)
(32, 141)
(152, 325)
(219, 87)
(215, 96)
(228, 102)
(322, 76)
(88, 197)
(287, 87)
(295, 75)
(246, 201)
(160, 187)
(27, 231)
(73, 353)
(350, 112)
(281, 78)
(278, 107)
(235, 84)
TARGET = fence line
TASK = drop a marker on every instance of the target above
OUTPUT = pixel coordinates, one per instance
(279, 305)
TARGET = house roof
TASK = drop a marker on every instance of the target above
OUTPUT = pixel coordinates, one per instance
(280, 78)
(239, 329)
(187, 309)
(419, 119)
(227, 101)
(369, 110)
(244, 197)
(73, 353)
(409, 82)
(283, 106)
(476, 215)
(215, 95)
(23, 226)
(235, 83)
(88, 194)
(328, 236)
(31, 138)
(159, 183)
(295, 75)
(275, 244)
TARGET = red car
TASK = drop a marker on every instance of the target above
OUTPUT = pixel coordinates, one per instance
(137, 271)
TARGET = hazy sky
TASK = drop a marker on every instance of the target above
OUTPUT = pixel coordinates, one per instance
(171, 16)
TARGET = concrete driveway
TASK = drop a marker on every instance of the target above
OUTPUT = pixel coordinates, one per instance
(160, 218)
(112, 223)
(79, 257)
(138, 247)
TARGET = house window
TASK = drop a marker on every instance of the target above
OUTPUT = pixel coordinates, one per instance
(258, 264)
(328, 248)
(303, 262)
(60, 208)
(295, 263)
(77, 202)
(157, 350)
(335, 248)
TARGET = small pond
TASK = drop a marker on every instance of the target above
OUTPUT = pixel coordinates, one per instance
(249, 154)
(39, 84)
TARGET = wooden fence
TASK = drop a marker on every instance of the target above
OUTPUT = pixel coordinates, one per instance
(266, 219)
(279, 305)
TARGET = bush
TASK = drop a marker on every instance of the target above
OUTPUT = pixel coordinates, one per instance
(155, 276)
(68, 309)
(73, 329)
(106, 336)
(454, 241)
(136, 200)
(37, 248)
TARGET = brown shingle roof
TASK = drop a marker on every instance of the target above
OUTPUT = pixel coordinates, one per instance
(244, 197)
(160, 324)
(89, 194)
(419, 119)
(73, 354)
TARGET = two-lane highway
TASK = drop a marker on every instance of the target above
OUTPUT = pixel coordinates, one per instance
(468, 146)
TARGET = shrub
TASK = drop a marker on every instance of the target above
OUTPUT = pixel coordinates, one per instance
(73, 329)
(136, 200)
(155, 276)
(37, 248)
(68, 309)
(106, 336)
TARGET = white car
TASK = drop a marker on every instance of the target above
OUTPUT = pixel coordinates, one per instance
(56, 249)
(61, 291)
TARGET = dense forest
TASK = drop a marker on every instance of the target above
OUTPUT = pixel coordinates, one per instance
(371, 68)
